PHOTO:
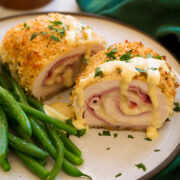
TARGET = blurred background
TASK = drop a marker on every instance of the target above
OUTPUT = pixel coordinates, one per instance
(159, 18)
(13, 7)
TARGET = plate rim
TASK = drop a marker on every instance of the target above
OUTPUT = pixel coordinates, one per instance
(176, 151)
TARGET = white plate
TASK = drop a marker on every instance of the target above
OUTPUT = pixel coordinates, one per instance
(104, 164)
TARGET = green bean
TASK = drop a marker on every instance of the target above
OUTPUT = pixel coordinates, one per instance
(33, 165)
(5, 165)
(80, 132)
(69, 144)
(60, 154)
(72, 158)
(50, 120)
(19, 131)
(38, 128)
(3, 82)
(19, 92)
(67, 166)
(27, 148)
(7, 76)
(3, 136)
(7, 100)
(43, 138)
(72, 170)
(35, 103)
(43, 162)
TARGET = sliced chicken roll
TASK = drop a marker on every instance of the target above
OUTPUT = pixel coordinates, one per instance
(126, 86)
(45, 54)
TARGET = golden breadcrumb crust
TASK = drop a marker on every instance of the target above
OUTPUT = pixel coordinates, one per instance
(26, 55)
(167, 82)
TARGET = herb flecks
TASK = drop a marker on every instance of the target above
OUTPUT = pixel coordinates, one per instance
(153, 68)
(33, 35)
(126, 56)
(140, 70)
(158, 57)
(130, 136)
(84, 60)
(98, 72)
(148, 139)
(104, 133)
(117, 175)
(108, 148)
(156, 150)
(25, 25)
(138, 55)
(56, 23)
(115, 135)
(107, 60)
(44, 33)
(55, 38)
(141, 166)
(148, 56)
(111, 54)
(177, 107)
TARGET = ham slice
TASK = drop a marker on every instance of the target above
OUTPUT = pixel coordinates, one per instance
(122, 88)
(61, 72)
(103, 109)
(45, 54)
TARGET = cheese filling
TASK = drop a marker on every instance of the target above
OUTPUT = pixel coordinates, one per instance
(129, 69)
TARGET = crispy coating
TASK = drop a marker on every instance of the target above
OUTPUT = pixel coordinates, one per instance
(28, 47)
(167, 82)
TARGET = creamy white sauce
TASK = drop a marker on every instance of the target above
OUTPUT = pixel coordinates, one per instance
(128, 71)
(75, 29)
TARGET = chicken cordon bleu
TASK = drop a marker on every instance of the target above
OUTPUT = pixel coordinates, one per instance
(127, 86)
(45, 54)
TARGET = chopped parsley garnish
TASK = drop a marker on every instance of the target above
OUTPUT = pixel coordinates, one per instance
(104, 133)
(141, 70)
(56, 23)
(141, 166)
(138, 55)
(111, 53)
(55, 38)
(158, 57)
(148, 56)
(177, 107)
(108, 148)
(84, 60)
(61, 31)
(25, 25)
(156, 150)
(153, 68)
(148, 139)
(130, 136)
(117, 175)
(128, 61)
(44, 33)
(33, 35)
(126, 56)
(98, 72)
(107, 60)
(51, 27)
(115, 135)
